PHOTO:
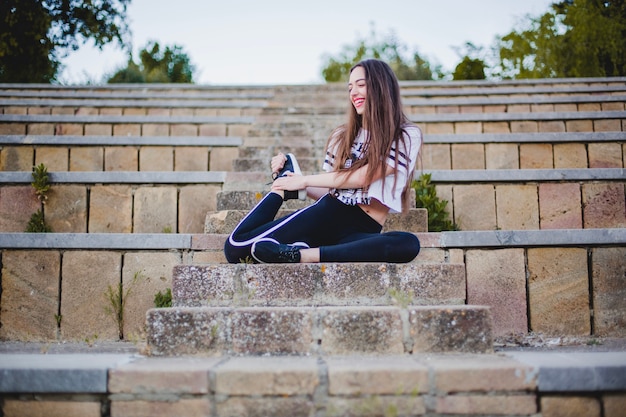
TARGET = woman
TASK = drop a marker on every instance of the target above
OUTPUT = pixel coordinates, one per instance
(368, 171)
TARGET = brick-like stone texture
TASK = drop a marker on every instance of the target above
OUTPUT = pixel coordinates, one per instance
(605, 155)
(569, 406)
(110, 209)
(221, 159)
(267, 376)
(188, 407)
(88, 158)
(191, 158)
(88, 278)
(434, 156)
(194, 202)
(497, 278)
(609, 291)
(51, 408)
(156, 158)
(570, 155)
(475, 207)
(468, 156)
(560, 206)
(604, 205)
(54, 158)
(376, 405)
(389, 375)
(265, 406)
(501, 156)
(16, 158)
(536, 156)
(522, 404)
(614, 405)
(155, 210)
(517, 207)
(144, 274)
(66, 208)
(121, 158)
(558, 291)
(17, 205)
(30, 295)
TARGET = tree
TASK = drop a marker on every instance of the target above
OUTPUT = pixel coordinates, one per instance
(388, 49)
(36, 34)
(472, 66)
(577, 38)
(171, 65)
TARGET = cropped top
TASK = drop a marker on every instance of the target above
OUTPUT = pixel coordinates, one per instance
(382, 189)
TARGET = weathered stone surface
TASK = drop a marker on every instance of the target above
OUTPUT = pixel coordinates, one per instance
(37, 408)
(536, 156)
(191, 158)
(121, 158)
(447, 329)
(517, 207)
(560, 206)
(30, 295)
(16, 158)
(54, 158)
(190, 407)
(194, 201)
(86, 158)
(570, 155)
(436, 156)
(497, 278)
(558, 290)
(614, 405)
(156, 158)
(110, 209)
(265, 406)
(373, 330)
(17, 204)
(501, 156)
(609, 291)
(604, 205)
(560, 406)
(487, 405)
(468, 156)
(605, 155)
(144, 275)
(475, 207)
(86, 310)
(155, 210)
(221, 159)
(66, 208)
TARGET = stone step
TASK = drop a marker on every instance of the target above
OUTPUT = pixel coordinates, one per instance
(303, 331)
(307, 164)
(318, 284)
(223, 222)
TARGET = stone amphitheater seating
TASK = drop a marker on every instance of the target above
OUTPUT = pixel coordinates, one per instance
(147, 181)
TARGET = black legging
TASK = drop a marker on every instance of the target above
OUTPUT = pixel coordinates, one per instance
(342, 233)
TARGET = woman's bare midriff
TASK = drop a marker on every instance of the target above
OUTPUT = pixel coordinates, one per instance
(376, 210)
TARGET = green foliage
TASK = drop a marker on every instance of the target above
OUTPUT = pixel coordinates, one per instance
(469, 69)
(40, 182)
(116, 298)
(426, 197)
(36, 34)
(577, 38)
(388, 49)
(162, 300)
(170, 65)
(37, 224)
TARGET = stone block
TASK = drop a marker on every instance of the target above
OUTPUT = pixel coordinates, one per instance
(437, 128)
(221, 159)
(30, 295)
(191, 158)
(265, 406)
(497, 278)
(579, 125)
(86, 309)
(451, 329)
(66, 208)
(607, 125)
(40, 129)
(558, 291)
(536, 156)
(181, 129)
(162, 376)
(363, 406)
(605, 155)
(216, 129)
(517, 207)
(12, 128)
(110, 209)
(524, 126)
(121, 158)
(468, 156)
(372, 375)
(87, 158)
(17, 204)
(372, 330)
(457, 373)
(54, 158)
(614, 404)
(70, 129)
(570, 155)
(552, 126)
(51, 408)
(135, 111)
(16, 158)
(468, 128)
(496, 127)
(510, 405)
(475, 207)
(98, 129)
(126, 130)
(609, 291)
(560, 206)
(156, 158)
(604, 205)
(267, 376)
(155, 210)
(111, 111)
(501, 156)
(194, 202)
(144, 274)
(240, 130)
(518, 108)
(434, 156)
(565, 406)
(155, 129)
(281, 331)
(188, 407)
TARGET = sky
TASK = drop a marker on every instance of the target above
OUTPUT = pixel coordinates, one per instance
(261, 42)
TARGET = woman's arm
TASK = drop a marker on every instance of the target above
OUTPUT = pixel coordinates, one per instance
(327, 180)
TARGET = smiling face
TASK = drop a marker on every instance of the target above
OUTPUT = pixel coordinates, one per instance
(357, 89)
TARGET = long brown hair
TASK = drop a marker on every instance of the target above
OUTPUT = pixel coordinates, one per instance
(384, 119)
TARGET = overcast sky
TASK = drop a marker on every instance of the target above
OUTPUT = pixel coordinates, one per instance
(285, 41)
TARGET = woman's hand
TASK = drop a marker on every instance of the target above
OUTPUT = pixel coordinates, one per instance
(277, 163)
(290, 182)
